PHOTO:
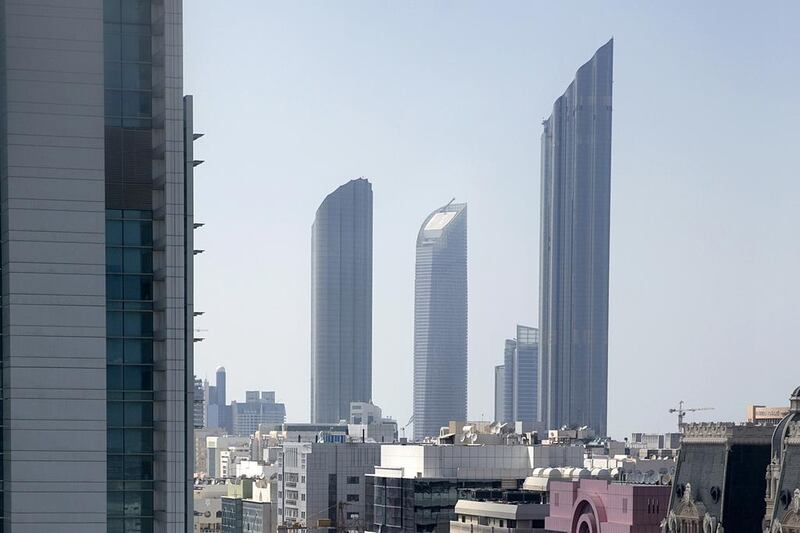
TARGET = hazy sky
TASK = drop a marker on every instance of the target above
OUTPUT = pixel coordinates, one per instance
(435, 100)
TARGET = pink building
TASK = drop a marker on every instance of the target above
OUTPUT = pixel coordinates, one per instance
(600, 506)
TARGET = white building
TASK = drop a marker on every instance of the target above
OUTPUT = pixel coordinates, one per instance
(367, 423)
(218, 453)
(314, 479)
(473, 462)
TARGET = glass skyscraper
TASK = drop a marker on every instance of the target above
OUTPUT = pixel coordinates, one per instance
(575, 215)
(341, 302)
(521, 375)
(440, 321)
(96, 216)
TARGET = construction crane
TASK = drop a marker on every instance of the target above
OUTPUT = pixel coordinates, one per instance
(682, 412)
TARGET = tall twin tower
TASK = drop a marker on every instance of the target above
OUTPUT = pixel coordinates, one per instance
(570, 385)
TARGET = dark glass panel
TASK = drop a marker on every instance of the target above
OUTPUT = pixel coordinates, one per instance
(113, 259)
(111, 10)
(138, 233)
(138, 324)
(138, 287)
(115, 526)
(134, 12)
(140, 503)
(114, 441)
(115, 467)
(113, 287)
(113, 75)
(114, 377)
(138, 441)
(138, 351)
(114, 353)
(137, 76)
(137, 103)
(138, 467)
(113, 232)
(138, 378)
(138, 260)
(136, 47)
(113, 322)
(114, 416)
(138, 414)
(115, 503)
(113, 105)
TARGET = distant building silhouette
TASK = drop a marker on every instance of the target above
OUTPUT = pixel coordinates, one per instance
(521, 369)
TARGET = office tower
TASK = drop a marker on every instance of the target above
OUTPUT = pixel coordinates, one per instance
(224, 418)
(573, 288)
(341, 302)
(499, 393)
(256, 409)
(210, 399)
(198, 406)
(440, 321)
(521, 376)
(96, 214)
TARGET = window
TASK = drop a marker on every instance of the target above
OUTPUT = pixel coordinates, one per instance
(352, 498)
(353, 480)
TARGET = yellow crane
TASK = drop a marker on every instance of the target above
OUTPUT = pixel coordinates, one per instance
(681, 410)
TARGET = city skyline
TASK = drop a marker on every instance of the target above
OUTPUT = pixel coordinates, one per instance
(703, 191)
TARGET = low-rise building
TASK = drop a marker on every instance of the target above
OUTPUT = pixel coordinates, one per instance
(416, 487)
(719, 478)
(221, 451)
(761, 414)
(490, 510)
(783, 473)
(324, 481)
(368, 423)
(594, 505)
(208, 506)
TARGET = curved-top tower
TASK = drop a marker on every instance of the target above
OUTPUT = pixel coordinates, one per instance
(341, 302)
(440, 321)
(575, 222)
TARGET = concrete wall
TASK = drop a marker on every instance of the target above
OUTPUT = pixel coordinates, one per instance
(53, 267)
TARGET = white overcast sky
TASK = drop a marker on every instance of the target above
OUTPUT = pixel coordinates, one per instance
(435, 100)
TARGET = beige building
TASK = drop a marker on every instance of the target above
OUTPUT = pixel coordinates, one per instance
(759, 414)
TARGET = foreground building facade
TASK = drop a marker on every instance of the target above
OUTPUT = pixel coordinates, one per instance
(341, 302)
(96, 193)
(440, 321)
(574, 255)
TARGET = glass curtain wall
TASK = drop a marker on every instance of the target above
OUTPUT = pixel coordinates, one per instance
(129, 264)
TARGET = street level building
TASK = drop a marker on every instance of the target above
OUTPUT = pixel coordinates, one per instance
(440, 321)
(321, 482)
(416, 487)
(783, 473)
(720, 478)
(341, 302)
(491, 511)
(595, 506)
(574, 255)
(96, 168)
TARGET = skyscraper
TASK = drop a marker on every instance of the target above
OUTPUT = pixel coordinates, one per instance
(575, 214)
(341, 302)
(499, 393)
(521, 371)
(440, 321)
(96, 214)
